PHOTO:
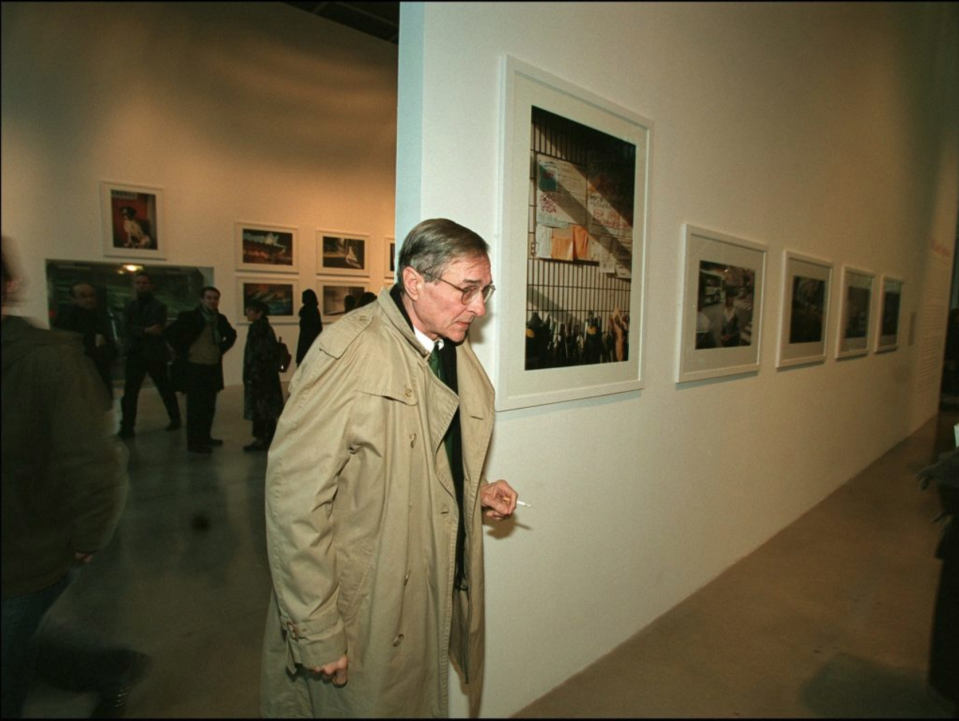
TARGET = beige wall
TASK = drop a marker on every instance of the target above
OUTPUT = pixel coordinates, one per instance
(238, 111)
(827, 129)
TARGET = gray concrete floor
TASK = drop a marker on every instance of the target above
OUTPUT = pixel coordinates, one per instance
(830, 618)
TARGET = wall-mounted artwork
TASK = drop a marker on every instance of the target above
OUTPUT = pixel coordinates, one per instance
(855, 310)
(390, 248)
(575, 203)
(132, 221)
(722, 305)
(338, 297)
(889, 307)
(805, 310)
(280, 296)
(342, 253)
(271, 248)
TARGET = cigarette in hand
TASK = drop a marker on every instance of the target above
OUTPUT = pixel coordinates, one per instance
(520, 503)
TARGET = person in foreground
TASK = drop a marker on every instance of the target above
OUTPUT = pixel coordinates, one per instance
(374, 498)
(64, 487)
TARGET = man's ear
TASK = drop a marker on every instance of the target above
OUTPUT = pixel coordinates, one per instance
(412, 282)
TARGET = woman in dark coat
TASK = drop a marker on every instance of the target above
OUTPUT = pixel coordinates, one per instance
(310, 324)
(262, 393)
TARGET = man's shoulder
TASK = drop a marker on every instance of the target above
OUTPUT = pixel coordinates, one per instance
(358, 326)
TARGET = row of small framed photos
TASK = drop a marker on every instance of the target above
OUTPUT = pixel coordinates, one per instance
(133, 227)
(723, 293)
(336, 296)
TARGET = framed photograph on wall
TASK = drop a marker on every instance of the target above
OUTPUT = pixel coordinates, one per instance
(342, 253)
(722, 306)
(571, 271)
(132, 221)
(338, 297)
(805, 310)
(889, 306)
(270, 248)
(281, 295)
(390, 248)
(855, 310)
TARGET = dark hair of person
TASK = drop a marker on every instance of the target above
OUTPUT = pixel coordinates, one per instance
(259, 306)
(309, 297)
(142, 274)
(365, 299)
(433, 244)
(205, 288)
(76, 284)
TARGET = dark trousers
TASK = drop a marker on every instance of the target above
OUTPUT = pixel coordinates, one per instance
(64, 657)
(264, 430)
(203, 383)
(137, 369)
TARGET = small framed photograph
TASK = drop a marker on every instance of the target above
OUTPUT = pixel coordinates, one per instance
(805, 310)
(269, 248)
(338, 297)
(722, 305)
(390, 247)
(132, 217)
(280, 295)
(342, 253)
(855, 310)
(888, 338)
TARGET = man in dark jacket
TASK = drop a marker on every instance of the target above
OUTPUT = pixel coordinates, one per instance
(200, 337)
(144, 320)
(64, 486)
(83, 317)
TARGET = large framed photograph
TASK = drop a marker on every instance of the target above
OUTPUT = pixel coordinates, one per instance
(572, 266)
(889, 306)
(805, 310)
(270, 248)
(132, 217)
(855, 310)
(281, 295)
(342, 253)
(338, 297)
(722, 305)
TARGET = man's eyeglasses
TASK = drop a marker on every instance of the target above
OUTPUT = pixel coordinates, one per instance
(469, 292)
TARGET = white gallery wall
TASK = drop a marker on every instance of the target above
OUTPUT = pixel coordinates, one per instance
(250, 112)
(826, 129)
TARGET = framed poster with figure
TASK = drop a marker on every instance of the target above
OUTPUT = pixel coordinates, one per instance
(132, 218)
(855, 311)
(805, 310)
(722, 305)
(270, 248)
(572, 265)
(889, 307)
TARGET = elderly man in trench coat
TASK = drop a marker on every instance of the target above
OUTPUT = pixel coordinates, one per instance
(375, 495)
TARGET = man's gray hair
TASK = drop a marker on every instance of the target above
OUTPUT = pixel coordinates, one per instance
(433, 244)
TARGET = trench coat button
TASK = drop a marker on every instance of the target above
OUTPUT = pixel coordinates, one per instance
(412, 440)
(407, 579)
(398, 640)
(291, 629)
(409, 392)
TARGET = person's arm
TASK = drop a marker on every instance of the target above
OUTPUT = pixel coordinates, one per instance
(310, 448)
(227, 334)
(90, 461)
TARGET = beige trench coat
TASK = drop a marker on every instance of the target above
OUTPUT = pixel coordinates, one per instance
(361, 523)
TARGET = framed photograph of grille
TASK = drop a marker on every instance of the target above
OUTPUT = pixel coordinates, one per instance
(889, 306)
(576, 172)
(855, 313)
(805, 310)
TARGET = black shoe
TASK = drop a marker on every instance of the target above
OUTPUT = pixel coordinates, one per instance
(174, 425)
(215, 441)
(199, 449)
(126, 433)
(257, 446)
(113, 700)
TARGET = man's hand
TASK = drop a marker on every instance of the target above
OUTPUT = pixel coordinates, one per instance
(82, 557)
(499, 498)
(154, 330)
(335, 672)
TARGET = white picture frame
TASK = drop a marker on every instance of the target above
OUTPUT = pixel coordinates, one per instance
(855, 334)
(266, 248)
(526, 377)
(804, 316)
(333, 293)
(342, 253)
(722, 306)
(280, 293)
(132, 221)
(389, 247)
